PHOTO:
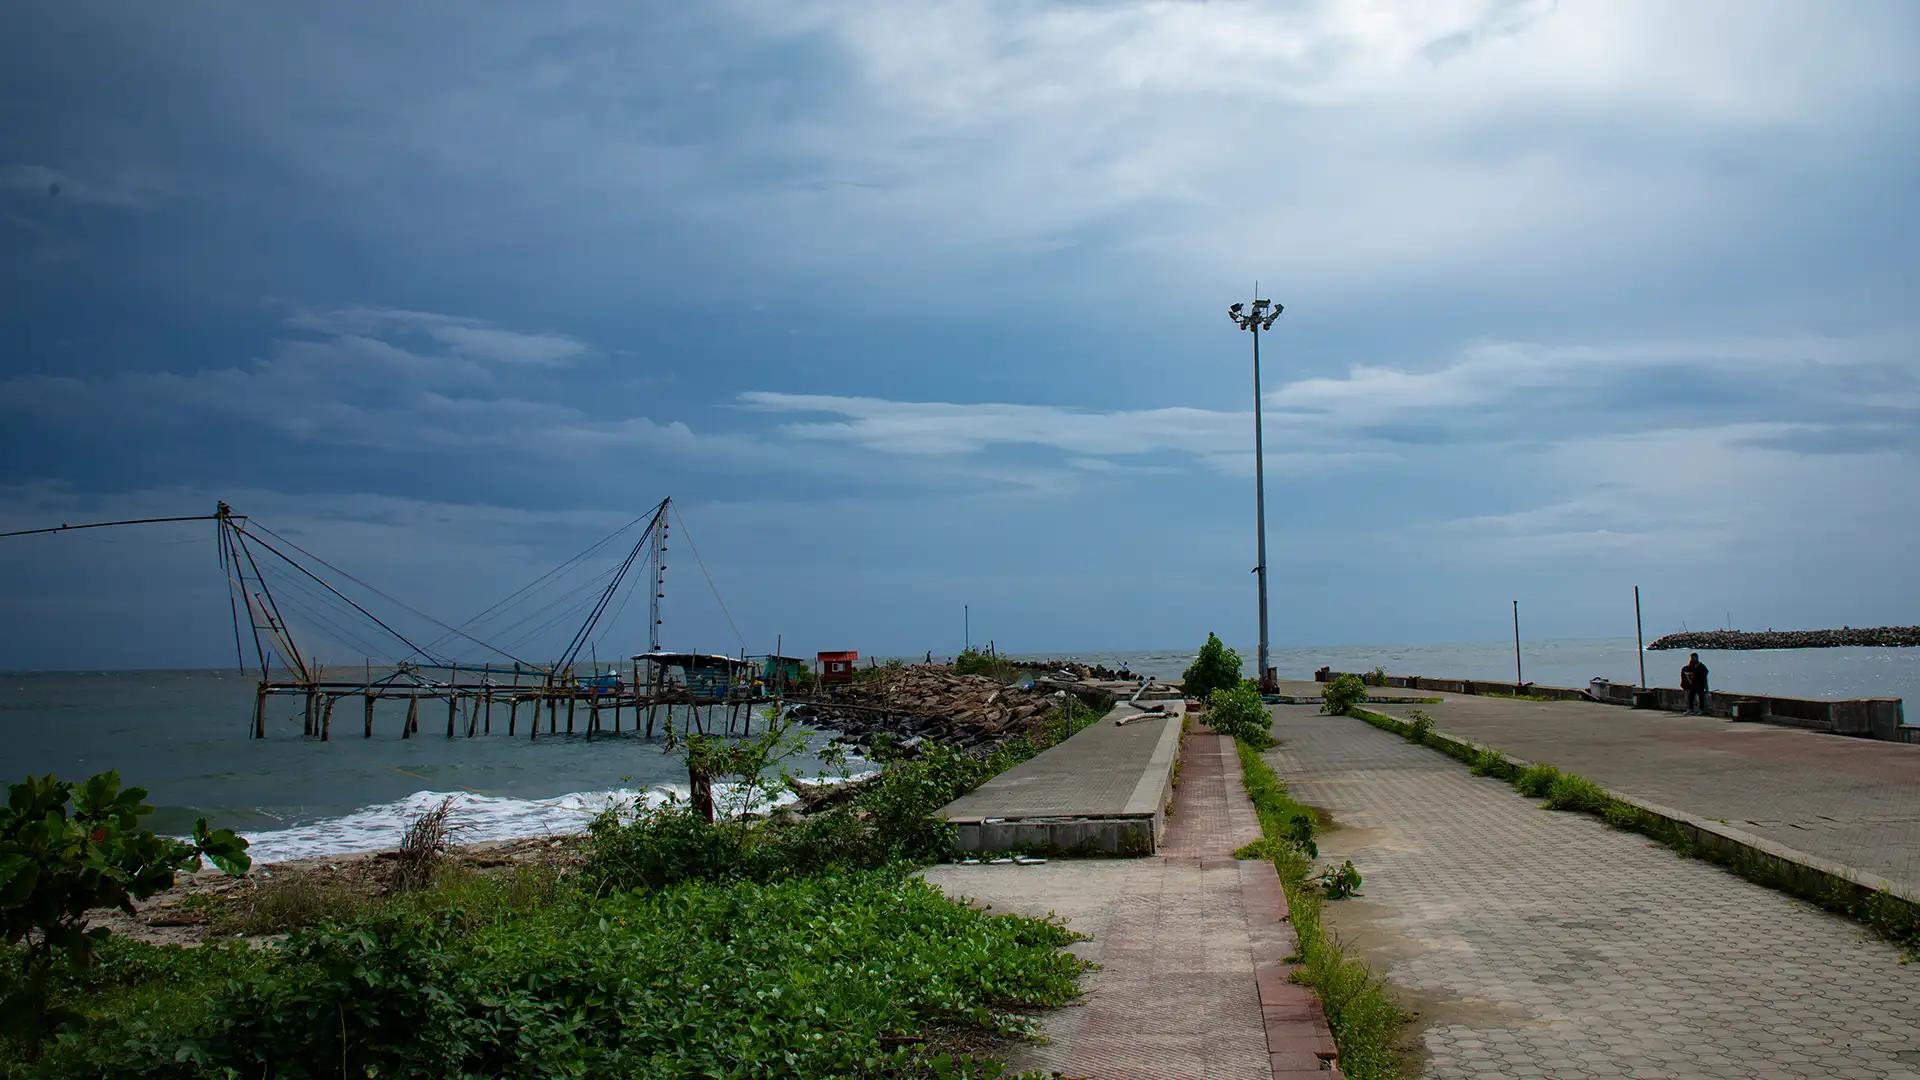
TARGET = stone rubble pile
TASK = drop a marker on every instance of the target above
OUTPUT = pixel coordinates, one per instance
(928, 703)
(1076, 668)
(1877, 636)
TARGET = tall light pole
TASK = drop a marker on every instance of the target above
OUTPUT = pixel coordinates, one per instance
(1256, 318)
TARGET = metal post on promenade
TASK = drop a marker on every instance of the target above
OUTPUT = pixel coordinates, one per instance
(1517, 681)
(1257, 317)
(1639, 640)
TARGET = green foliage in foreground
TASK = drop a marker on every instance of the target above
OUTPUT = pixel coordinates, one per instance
(1366, 1022)
(1215, 668)
(1238, 711)
(66, 851)
(834, 975)
(1341, 694)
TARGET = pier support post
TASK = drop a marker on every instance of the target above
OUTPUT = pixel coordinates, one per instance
(260, 711)
(413, 717)
(513, 714)
(369, 731)
(553, 715)
(308, 726)
(326, 719)
(453, 708)
(489, 716)
(651, 709)
(570, 701)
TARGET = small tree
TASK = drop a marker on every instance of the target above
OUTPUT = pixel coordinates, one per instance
(1216, 668)
(1239, 712)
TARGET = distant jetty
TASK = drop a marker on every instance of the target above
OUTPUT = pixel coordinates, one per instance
(1878, 636)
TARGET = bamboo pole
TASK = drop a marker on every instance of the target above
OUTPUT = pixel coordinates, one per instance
(369, 728)
(513, 714)
(413, 717)
(326, 719)
(260, 711)
(572, 696)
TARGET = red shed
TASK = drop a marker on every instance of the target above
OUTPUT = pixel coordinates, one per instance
(836, 666)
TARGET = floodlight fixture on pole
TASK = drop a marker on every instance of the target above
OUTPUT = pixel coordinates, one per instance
(1257, 317)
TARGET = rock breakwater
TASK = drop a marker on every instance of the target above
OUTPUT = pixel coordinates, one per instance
(923, 703)
(1875, 636)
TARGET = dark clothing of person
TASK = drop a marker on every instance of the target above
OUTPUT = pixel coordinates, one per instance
(1693, 679)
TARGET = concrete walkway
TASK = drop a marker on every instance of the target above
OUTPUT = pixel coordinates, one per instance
(1855, 802)
(1540, 944)
(1189, 943)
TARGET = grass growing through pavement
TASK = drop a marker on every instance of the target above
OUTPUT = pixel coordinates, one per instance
(1366, 1023)
(1891, 917)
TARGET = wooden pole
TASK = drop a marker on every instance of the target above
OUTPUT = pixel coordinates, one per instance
(572, 696)
(486, 676)
(553, 713)
(326, 719)
(413, 717)
(1639, 641)
(453, 710)
(368, 734)
(513, 714)
(260, 711)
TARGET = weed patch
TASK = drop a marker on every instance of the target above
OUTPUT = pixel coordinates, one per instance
(1535, 781)
(1365, 1020)
(1570, 792)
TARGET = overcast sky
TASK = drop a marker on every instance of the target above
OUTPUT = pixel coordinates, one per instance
(913, 306)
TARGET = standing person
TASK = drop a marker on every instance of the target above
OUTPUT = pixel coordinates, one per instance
(1693, 679)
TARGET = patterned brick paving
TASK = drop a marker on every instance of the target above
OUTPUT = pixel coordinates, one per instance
(1539, 944)
(1188, 943)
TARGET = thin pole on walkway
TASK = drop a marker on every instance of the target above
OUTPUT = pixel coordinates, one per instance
(1516, 647)
(1639, 641)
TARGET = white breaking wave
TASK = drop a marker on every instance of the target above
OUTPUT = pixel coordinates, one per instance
(482, 817)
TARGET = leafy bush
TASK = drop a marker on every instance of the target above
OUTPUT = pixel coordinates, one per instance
(57, 864)
(1215, 668)
(1338, 884)
(1419, 726)
(1376, 677)
(1299, 833)
(826, 976)
(1341, 694)
(1536, 780)
(1238, 711)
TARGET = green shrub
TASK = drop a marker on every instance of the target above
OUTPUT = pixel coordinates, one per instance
(1238, 711)
(1215, 668)
(1491, 763)
(1341, 694)
(1419, 726)
(1536, 780)
(1570, 792)
(1376, 677)
(975, 662)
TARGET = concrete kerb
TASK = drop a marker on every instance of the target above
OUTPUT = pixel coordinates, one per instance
(1834, 886)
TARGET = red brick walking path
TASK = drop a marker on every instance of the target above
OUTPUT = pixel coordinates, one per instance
(1191, 945)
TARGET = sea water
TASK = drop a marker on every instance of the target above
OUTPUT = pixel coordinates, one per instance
(183, 735)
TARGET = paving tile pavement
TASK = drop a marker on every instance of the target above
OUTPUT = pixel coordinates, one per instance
(1541, 944)
(1176, 993)
(1852, 801)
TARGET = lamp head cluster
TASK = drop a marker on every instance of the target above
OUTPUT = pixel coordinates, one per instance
(1259, 315)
